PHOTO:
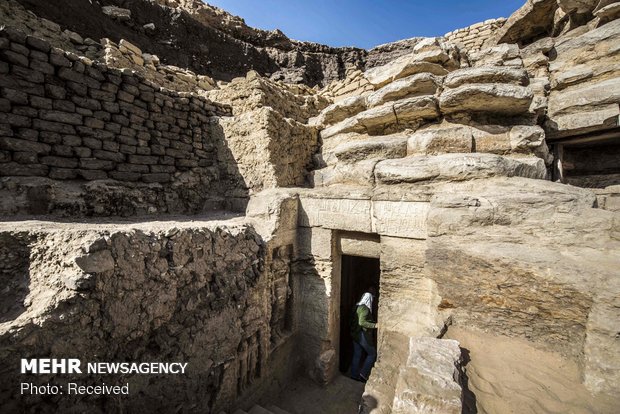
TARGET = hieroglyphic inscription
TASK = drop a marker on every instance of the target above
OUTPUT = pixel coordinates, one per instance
(401, 219)
(343, 214)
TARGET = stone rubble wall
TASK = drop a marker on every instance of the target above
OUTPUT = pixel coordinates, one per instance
(473, 37)
(13, 14)
(66, 118)
(213, 295)
(126, 55)
(353, 84)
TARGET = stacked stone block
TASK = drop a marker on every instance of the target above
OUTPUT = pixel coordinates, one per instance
(473, 37)
(65, 118)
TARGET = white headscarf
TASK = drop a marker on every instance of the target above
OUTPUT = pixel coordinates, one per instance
(366, 301)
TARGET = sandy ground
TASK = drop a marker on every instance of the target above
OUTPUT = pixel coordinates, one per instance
(306, 397)
(508, 375)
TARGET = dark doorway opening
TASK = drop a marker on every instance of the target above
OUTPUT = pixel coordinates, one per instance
(589, 160)
(357, 275)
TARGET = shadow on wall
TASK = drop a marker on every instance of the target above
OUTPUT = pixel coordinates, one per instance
(14, 275)
(232, 185)
(469, 398)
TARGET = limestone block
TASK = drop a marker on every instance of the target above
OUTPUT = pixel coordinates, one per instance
(375, 118)
(429, 382)
(359, 245)
(416, 109)
(439, 139)
(456, 167)
(486, 74)
(343, 214)
(574, 62)
(348, 125)
(352, 173)
(532, 19)
(529, 139)
(400, 219)
(602, 117)
(420, 84)
(578, 6)
(493, 98)
(381, 147)
(582, 99)
(339, 111)
(402, 67)
(608, 12)
(495, 56)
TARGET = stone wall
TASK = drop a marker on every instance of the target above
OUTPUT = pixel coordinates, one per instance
(127, 55)
(212, 294)
(66, 118)
(473, 37)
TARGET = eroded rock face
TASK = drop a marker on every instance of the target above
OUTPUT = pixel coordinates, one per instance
(157, 283)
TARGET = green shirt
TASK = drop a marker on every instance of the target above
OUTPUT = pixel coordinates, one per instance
(363, 322)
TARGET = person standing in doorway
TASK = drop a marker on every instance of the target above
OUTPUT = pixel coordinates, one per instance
(361, 325)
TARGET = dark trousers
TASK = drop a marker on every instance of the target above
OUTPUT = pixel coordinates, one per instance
(371, 356)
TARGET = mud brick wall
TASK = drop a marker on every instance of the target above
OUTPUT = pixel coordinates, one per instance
(66, 118)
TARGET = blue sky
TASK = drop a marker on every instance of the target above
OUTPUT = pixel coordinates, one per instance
(365, 23)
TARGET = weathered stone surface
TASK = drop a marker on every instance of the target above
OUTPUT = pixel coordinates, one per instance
(475, 240)
(428, 383)
(400, 219)
(504, 54)
(157, 294)
(392, 114)
(492, 98)
(456, 167)
(439, 139)
(402, 67)
(584, 91)
(486, 74)
(265, 148)
(346, 173)
(375, 147)
(96, 262)
(608, 12)
(420, 84)
(532, 19)
(346, 214)
(578, 6)
(416, 109)
(584, 106)
(339, 111)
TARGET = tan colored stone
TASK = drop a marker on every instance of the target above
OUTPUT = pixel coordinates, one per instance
(420, 84)
(486, 74)
(439, 139)
(401, 68)
(492, 98)
(456, 167)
